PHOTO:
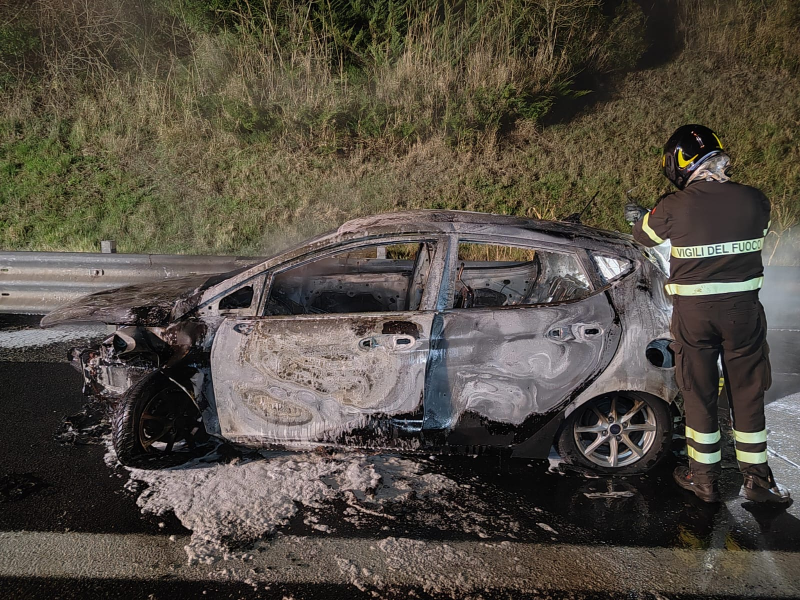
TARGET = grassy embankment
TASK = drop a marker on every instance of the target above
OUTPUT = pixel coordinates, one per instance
(181, 129)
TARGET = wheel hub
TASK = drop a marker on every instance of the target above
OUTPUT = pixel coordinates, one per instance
(615, 432)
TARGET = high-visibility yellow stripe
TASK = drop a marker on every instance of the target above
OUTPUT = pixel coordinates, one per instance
(751, 458)
(750, 438)
(649, 230)
(706, 289)
(721, 385)
(712, 250)
(767, 229)
(702, 438)
(707, 458)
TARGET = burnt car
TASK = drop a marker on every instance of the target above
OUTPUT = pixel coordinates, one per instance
(431, 331)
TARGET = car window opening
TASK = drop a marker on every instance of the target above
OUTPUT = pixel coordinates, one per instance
(376, 278)
(611, 267)
(490, 275)
(241, 298)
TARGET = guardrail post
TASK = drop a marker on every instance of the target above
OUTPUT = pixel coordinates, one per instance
(108, 247)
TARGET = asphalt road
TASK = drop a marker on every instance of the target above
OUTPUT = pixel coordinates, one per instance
(70, 529)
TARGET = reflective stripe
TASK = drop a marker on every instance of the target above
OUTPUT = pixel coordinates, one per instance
(721, 385)
(706, 289)
(712, 250)
(751, 458)
(702, 438)
(707, 458)
(649, 230)
(767, 229)
(750, 438)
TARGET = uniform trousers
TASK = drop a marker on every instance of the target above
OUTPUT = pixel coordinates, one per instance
(731, 327)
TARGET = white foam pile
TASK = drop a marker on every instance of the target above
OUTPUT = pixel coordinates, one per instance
(27, 338)
(241, 502)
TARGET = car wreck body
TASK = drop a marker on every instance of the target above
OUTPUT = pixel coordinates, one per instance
(420, 330)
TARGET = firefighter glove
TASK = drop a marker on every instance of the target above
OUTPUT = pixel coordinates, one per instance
(634, 212)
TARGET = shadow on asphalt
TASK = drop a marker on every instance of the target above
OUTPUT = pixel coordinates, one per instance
(646, 511)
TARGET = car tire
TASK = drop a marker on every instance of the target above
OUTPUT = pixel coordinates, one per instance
(622, 433)
(156, 424)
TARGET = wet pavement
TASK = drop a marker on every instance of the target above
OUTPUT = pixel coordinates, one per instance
(632, 537)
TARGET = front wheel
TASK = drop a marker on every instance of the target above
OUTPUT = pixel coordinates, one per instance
(156, 424)
(623, 433)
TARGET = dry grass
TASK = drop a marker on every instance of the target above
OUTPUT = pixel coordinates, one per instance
(215, 143)
(739, 33)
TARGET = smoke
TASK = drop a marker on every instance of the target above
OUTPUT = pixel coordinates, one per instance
(782, 248)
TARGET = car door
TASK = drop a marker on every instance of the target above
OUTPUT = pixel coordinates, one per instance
(522, 331)
(343, 341)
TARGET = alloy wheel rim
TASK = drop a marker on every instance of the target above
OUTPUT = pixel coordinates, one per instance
(615, 432)
(169, 422)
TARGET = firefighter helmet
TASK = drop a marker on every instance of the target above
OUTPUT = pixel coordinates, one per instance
(686, 150)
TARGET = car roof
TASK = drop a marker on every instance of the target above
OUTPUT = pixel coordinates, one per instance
(475, 224)
(459, 221)
(435, 220)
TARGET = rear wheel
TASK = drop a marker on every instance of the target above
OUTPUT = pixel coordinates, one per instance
(625, 432)
(156, 424)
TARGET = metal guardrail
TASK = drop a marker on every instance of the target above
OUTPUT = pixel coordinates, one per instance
(37, 282)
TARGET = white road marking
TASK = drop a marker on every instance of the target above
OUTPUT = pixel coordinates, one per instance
(447, 567)
(782, 457)
(783, 448)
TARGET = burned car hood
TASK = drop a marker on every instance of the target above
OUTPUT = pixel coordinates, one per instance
(146, 304)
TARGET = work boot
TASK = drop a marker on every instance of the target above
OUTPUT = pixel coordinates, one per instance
(767, 491)
(707, 492)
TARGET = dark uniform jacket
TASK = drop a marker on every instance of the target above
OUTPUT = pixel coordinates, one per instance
(717, 232)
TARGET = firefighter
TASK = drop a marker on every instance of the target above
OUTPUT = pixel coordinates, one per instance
(717, 230)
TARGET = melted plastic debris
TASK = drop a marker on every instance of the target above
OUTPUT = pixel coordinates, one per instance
(17, 486)
(617, 494)
(547, 527)
(555, 462)
(237, 504)
(89, 426)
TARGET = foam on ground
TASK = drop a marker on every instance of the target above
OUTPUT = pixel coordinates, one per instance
(242, 502)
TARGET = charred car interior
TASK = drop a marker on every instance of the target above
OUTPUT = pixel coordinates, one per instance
(377, 278)
(434, 331)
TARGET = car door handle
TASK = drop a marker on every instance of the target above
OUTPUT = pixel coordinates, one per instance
(574, 332)
(390, 342)
(561, 334)
(587, 331)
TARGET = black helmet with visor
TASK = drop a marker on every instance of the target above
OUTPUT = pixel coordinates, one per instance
(686, 150)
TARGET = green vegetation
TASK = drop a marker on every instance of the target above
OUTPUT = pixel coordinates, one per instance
(236, 126)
